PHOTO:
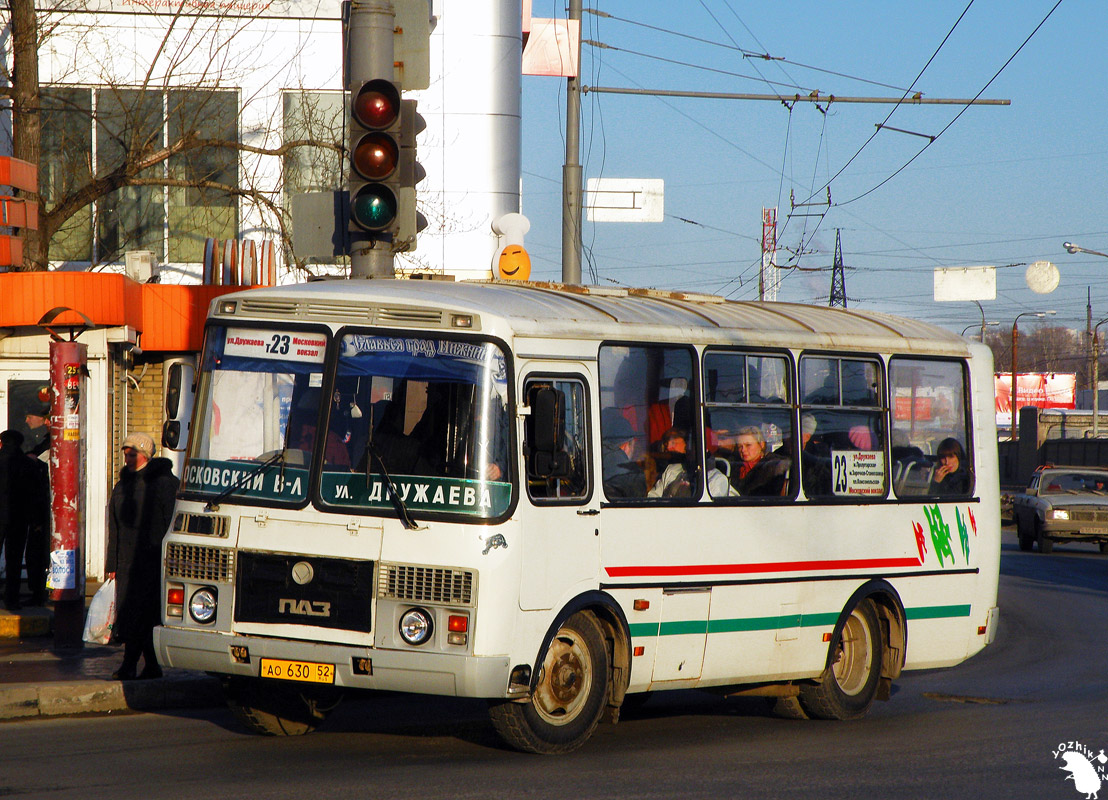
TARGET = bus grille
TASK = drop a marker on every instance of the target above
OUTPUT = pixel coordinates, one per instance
(425, 584)
(351, 313)
(332, 593)
(190, 562)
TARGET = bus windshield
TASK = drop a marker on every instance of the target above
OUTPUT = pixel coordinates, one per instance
(254, 384)
(429, 415)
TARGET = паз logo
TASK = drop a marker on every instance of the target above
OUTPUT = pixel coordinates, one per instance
(1087, 771)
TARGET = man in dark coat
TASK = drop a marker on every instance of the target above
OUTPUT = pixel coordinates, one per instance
(16, 488)
(622, 477)
(139, 514)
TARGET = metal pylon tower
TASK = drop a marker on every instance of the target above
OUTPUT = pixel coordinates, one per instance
(838, 276)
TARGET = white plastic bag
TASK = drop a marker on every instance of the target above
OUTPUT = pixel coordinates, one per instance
(101, 614)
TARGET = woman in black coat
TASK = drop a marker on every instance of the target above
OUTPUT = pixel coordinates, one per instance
(139, 514)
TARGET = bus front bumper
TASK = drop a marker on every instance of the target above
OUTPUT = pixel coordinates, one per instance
(385, 670)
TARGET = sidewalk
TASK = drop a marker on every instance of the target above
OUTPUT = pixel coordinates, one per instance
(38, 681)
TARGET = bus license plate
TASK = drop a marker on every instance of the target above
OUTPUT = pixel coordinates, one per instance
(305, 671)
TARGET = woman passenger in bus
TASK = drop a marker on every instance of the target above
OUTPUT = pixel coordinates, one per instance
(758, 474)
(952, 477)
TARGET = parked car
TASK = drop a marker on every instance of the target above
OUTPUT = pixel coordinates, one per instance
(1063, 504)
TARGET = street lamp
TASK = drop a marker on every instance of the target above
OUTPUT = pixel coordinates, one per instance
(1072, 249)
(1015, 388)
(982, 325)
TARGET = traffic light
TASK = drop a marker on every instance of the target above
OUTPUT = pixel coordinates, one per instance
(383, 170)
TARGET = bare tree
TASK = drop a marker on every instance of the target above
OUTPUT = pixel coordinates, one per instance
(170, 139)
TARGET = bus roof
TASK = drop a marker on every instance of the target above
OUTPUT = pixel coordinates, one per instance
(561, 311)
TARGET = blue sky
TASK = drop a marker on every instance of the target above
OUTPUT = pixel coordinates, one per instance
(1001, 185)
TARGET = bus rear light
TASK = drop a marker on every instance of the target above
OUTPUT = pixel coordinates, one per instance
(982, 630)
(175, 600)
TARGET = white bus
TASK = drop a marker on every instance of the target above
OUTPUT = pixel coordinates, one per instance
(555, 496)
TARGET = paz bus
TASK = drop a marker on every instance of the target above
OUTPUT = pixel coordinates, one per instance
(558, 497)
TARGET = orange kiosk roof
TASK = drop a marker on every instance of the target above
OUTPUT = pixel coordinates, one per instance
(169, 317)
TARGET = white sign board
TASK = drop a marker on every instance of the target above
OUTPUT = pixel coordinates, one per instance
(625, 199)
(282, 345)
(858, 472)
(965, 283)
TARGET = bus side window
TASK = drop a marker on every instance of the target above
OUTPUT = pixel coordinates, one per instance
(555, 448)
(929, 409)
(748, 418)
(843, 418)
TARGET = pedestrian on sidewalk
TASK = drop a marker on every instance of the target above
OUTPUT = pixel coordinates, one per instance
(37, 418)
(16, 486)
(139, 513)
(38, 530)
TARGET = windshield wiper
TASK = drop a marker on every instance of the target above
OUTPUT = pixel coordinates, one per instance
(394, 493)
(213, 504)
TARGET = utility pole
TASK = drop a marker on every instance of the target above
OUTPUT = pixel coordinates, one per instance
(1089, 332)
(571, 171)
(838, 276)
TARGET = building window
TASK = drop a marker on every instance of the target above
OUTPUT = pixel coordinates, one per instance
(203, 208)
(87, 132)
(319, 117)
(66, 164)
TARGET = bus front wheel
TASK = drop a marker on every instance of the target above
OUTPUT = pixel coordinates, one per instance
(274, 709)
(569, 696)
(848, 686)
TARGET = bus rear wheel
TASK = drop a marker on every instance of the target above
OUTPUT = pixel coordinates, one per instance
(274, 709)
(569, 696)
(848, 686)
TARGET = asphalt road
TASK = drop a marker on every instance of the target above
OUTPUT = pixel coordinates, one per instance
(989, 728)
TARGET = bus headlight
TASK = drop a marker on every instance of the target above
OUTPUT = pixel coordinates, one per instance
(416, 626)
(202, 605)
(1060, 513)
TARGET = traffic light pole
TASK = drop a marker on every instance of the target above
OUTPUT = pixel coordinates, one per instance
(369, 55)
(571, 173)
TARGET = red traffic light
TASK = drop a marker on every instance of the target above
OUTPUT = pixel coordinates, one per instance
(375, 156)
(377, 104)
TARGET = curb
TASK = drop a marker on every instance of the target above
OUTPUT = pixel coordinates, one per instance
(67, 698)
(25, 623)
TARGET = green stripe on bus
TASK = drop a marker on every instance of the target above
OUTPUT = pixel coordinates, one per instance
(937, 612)
(746, 624)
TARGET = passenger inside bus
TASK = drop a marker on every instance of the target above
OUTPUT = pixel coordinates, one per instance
(754, 472)
(678, 479)
(400, 453)
(303, 424)
(622, 477)
(951, 477)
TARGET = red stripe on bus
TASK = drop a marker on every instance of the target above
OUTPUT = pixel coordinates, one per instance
(743, 569)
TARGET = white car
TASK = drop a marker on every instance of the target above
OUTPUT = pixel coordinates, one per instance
(1063, 504)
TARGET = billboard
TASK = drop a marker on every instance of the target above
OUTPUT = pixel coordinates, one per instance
(1039, 389)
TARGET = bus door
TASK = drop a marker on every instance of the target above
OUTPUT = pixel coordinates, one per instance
(560, 507)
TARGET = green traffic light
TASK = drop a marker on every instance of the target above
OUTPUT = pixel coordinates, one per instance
(373, 208)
